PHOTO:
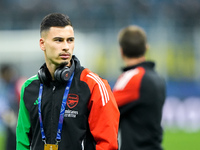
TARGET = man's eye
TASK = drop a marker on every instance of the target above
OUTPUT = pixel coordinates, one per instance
(58, 40)
(70, 40)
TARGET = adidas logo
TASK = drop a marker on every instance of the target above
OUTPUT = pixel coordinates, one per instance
(36, 102)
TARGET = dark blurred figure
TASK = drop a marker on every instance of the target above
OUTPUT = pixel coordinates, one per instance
(9, 98)
(140, 94)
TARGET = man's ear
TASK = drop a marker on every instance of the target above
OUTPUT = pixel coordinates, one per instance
(42, 44)
(121, 52)
(147, 47)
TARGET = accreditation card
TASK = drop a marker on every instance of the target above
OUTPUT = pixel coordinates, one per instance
(50, 147)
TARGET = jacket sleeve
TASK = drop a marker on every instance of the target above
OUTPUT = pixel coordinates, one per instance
(104, 114)
(23, 126)
(127, 89)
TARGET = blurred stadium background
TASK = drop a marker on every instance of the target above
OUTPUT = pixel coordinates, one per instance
(173, 30)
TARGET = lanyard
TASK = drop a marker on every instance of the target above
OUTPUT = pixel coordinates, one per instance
(62, 110)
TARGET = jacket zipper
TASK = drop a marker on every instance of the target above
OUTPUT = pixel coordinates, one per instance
(52, 112)
(82, 144)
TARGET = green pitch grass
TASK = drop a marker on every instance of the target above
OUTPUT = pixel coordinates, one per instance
(2, 141)
(181, 140)
(172, 140)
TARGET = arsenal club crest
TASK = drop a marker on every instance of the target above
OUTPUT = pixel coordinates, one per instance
(72, 100)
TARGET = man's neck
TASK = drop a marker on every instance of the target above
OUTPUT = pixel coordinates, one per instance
(51, 69)
(133, 61)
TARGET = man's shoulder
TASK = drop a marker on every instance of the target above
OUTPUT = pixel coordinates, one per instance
(92, 79)
(89, 75)
(30, 80)
(134, 73)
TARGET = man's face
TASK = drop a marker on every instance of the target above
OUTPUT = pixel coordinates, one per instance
(58, 45)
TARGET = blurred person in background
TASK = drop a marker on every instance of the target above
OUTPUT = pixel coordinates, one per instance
(140, 94)
(9, 98)
(55, 115)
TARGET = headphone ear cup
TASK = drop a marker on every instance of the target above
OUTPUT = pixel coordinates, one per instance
(44, 76)
(58, 73)
(64, 73)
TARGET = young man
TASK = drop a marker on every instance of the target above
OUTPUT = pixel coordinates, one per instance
(140, 94)
(65, 106)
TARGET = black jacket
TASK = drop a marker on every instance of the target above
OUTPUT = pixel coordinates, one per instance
(140, 95)
(91, 114)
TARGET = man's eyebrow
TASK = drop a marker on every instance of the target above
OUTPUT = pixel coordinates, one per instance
(70, 38)
(63, 38)
(57, 37)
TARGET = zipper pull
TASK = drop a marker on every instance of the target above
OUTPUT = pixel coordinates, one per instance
(54, 87)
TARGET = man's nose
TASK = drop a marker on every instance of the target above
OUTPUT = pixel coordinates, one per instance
(66, 46)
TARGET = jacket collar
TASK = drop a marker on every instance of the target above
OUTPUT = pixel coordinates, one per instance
(146, 64)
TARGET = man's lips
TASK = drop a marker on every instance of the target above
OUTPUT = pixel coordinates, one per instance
(64, 56)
